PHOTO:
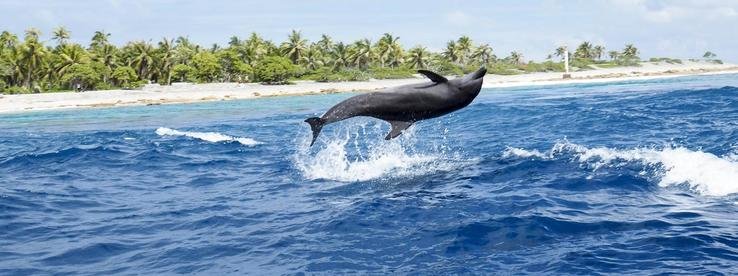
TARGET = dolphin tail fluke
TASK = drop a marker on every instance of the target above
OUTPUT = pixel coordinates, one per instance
(397, 128)
(316, 124)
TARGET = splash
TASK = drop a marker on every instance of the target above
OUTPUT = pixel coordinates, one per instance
(353, 156)
(703, 172)
(206, 136)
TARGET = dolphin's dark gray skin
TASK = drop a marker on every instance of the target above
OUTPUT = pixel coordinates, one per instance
(404, 105)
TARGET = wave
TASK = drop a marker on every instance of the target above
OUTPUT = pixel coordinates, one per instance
(703, 172)
(353, 157)
(206, 136)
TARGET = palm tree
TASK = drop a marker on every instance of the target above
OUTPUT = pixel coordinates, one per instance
(254, 49)
(598, 51)
(214, 48)
(560, 51)
(31, 56)
(340, 56)
(14, 68)
(7, 40)
(99, 39)
(68, 55)
(361, 55)
(515, 58)
(271, 48)
(143, 59)
(325, 44)
(313, 58)
(295, 46)
(584, 51)
(166, 59)
(61, 35)
(630, 51)
(483, 53)
(32, 34)
(396, 55)
(418, 57)
(389, 50)
(613, 55)
(107, 56)
(464, 48)
(184, 51)
(234, 41)
(451, 52)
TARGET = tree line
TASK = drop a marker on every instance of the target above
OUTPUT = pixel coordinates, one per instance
(32, 65)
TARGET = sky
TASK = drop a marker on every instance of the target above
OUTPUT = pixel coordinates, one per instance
(676, 28)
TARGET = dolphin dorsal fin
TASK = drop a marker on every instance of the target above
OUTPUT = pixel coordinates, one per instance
(433, 76)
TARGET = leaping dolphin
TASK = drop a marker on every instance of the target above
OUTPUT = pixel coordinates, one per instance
(404, 105)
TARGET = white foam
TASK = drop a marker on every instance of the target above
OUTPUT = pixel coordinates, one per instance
(381, 159)
(206, 136)
(703, 172)
(518, 152)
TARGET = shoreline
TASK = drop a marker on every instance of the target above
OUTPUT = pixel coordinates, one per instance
(180, 93)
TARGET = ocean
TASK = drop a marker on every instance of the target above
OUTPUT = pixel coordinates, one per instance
(631, 177)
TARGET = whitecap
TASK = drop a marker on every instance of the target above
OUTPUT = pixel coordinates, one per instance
(703, 172)
(206, 136)
(523, 153)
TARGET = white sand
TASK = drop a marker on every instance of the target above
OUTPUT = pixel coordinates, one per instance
(188, 93)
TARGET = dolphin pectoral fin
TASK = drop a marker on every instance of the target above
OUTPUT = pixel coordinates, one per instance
(397, 128)
(433, 76)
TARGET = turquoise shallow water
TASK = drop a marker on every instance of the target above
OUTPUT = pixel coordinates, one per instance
(627, 177)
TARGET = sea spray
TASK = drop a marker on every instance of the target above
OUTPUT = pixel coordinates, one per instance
(703, 172)
(358, 153)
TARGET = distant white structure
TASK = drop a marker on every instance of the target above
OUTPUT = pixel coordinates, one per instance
(566, 63)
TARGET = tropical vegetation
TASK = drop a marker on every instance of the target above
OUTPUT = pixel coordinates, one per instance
(28, 64)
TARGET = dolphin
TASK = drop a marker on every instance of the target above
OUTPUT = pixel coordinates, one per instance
(402, 106)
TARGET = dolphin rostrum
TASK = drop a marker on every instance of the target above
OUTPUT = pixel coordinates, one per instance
(404, 105)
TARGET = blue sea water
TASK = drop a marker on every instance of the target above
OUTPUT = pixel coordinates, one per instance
(635, 177)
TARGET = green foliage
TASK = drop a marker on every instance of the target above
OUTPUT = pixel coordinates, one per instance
(30, 64)
(16, 90)
(233, 68)
(547, 66)
(242, 72)
(447, 68)
(83, 75)
(323, 74)
(327, 75)
(607, 65)
(274, 70)
(628, 62)
(502, 68)
(581, 64)
(124, 77)
(183, 72)
(206, 66)
(103, 86)
(667, 60)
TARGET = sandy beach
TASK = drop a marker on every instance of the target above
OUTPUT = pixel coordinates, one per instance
(190, 93)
